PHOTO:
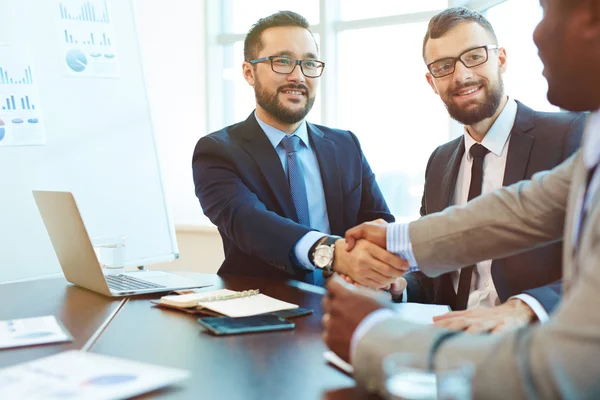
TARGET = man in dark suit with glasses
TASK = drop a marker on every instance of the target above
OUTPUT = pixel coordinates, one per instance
(281, 190)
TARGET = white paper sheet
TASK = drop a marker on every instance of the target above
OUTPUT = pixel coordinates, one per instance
(32, 331)
(420, 313)
(78, 375)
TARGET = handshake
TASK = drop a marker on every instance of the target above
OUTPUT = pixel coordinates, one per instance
(361, 258)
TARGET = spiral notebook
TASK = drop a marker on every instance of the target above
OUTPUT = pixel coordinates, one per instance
(228, 302)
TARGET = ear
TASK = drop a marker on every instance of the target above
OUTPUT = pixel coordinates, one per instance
(502, 60)
(431, 82)
(248, 71)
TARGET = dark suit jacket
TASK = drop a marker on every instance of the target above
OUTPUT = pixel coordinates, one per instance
(243, 189)
(539, 141)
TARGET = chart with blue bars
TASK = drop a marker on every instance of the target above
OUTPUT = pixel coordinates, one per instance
(18, 103)
(88, 11)
(21, 123)
(87, 34)
(91, 39)
(22, 77)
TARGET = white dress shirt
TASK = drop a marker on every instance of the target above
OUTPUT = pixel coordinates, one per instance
(483, 292)
(317, 207)
(398, 239)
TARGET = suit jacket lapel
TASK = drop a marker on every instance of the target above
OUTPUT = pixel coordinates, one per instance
(451, 174)
(330, 175)
(520, 146)
(443, 289)
(260, 148)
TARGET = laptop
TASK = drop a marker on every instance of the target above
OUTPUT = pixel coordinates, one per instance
(79, 262)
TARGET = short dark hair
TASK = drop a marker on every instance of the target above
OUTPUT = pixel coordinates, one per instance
(444, 21)
(253, 42)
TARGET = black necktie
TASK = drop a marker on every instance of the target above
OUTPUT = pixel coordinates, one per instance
(477, 152)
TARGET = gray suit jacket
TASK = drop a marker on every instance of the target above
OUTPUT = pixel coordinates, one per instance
(560, 359)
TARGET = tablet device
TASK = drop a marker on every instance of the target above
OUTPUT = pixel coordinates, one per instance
(256, 323)
(293, 313)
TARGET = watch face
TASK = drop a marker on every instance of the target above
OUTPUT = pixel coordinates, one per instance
(323, 256)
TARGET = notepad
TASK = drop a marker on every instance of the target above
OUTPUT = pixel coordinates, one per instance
(228, 302)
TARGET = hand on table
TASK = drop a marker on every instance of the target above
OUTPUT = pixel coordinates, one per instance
(512, 314)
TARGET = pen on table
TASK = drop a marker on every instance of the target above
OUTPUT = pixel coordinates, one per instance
(245, 293)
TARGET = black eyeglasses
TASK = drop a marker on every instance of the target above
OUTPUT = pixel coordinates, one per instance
(286, 65)
(470, 58)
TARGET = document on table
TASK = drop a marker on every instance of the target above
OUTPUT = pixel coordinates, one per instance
(78, 375)
(413, 312)
(32, 331)
(420, 313)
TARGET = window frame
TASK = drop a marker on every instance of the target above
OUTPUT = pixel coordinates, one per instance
(328, 28)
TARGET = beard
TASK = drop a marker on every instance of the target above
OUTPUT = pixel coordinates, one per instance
(485, 109)
(272, 105)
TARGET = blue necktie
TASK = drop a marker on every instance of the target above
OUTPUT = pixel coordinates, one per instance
(295, 175)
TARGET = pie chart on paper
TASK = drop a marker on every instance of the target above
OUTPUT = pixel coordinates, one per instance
(76, 60)
(2, 130)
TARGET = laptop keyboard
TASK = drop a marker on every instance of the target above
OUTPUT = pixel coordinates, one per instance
(125, 283)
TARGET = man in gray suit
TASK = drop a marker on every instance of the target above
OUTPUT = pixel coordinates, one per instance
(559, 359)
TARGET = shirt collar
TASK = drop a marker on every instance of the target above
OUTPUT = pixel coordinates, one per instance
(496, 138)
(275, 135)
(591, 147)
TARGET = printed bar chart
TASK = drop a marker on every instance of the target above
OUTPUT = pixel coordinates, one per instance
(9, 104)
(7, 79)
(89, 39)
(87, 12)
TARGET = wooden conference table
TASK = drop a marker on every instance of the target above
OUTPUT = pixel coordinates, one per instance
(272, 365)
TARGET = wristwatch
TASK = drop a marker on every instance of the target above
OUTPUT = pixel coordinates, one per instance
(323, 253)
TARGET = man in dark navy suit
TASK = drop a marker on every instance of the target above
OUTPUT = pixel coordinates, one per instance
(281, 190)
(465, 69)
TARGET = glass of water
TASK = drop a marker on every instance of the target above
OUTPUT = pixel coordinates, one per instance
(454, 379)
(407, 378)
(110, 252)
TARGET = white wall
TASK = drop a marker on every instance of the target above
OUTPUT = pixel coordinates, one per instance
(173, 40)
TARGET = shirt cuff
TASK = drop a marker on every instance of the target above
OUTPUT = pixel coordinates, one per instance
(303, 247)
(366, 324)
(405, 296)
(535, 306)
(398, 242)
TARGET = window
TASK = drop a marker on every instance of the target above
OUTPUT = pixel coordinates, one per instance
(359, 9)
(374, 83)
(514, 22)
(384, 98)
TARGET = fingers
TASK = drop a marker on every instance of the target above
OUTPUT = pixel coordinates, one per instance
(482, 326)
(373, 232)
(379, 221)
(454, 324)
(336, 286)
(450, 315)
(352, 235)
(393, 266)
